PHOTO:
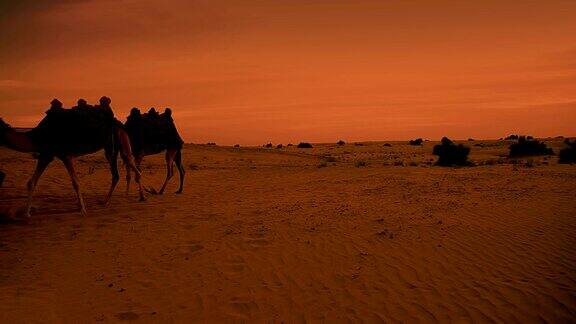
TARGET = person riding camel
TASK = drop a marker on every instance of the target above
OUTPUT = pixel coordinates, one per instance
(105, 106)
(82, 104)
(152, 113)
(55, 105)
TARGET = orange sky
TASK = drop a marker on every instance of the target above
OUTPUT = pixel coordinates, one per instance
(255, 71)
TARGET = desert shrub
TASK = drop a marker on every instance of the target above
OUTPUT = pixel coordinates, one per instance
(511, 137)
(236, 145)
(398, 163)
(525, 147)
(412, 163)
(450, 154)
(529, 137)
(322, 165)
(279, 146)
(341, 142)
(470, 140)
(269, 145)
(360, 163)
(568, 154)
(211, 143)
(359, 144)
(290, 144)
(416, 142)
(387, 145)
(304, 145)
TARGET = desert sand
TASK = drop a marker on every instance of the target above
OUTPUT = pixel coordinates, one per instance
(333, 234)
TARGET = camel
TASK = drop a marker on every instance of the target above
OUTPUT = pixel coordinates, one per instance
(152, 133)
(70, 133)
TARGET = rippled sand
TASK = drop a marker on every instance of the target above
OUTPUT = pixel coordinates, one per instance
(296, 235)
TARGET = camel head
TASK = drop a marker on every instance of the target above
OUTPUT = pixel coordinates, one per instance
(4, 127)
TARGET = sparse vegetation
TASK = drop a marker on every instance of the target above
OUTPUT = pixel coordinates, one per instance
(568, 154)
(304, 145)
(398, 163)
(359, 144)
(416, 142)
(360, 163)
(387, 145)
(211, 143)
(322, 165)
(341, 142)
(279, 146)
(526, 147)
(237, 145)
(450, 154)
(290, 144)
(269, 145)
(470, 140)
(512, 137)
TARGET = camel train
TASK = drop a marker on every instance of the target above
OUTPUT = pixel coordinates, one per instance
(84, 129)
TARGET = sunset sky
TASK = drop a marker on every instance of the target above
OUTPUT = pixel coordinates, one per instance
(253, 72)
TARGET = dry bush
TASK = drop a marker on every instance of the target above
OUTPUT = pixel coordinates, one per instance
(387, 145)
(279, 146)
(416, 142)
(269, 145)
(304, 145)
(341, 142)
(568, 155)
(450, 154)
(360, 163)
(527, 147)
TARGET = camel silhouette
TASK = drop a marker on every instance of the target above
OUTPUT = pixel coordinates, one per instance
(67, 134)
(152, 133)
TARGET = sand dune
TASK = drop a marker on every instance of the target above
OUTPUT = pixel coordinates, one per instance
(296, 235)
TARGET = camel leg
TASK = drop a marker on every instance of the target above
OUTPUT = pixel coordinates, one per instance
(138, 161)
(170, 155)
(112, 157)
(41, 166)
(128, 177)
(69, 164)
(178, 161)
(137, 174)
